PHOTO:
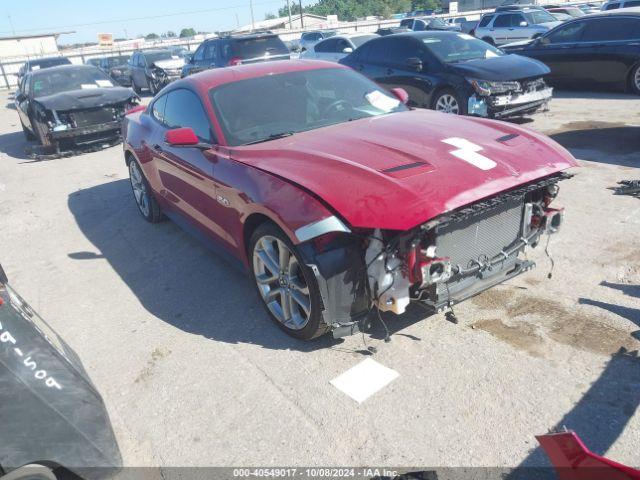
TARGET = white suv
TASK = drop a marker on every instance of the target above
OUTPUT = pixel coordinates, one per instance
(508, 26)
(616, 4)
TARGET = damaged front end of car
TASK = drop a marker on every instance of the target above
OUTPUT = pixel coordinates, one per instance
(69, 129)
(440, 263)
(508, 99)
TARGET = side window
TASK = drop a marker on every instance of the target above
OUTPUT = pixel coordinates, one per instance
(612, 6)
(485, 20)
(184, 109)
(517, 19)
(210, 51)
(419, 26)
(400, 49)
(379, 52)
(609, 29)
(142, 61)
(157, 111)
(199, 55)
(632, 3)
(327, 46)
(570, 33)
(407, 22)
(503, 21)
(363, 52)
(341, 45)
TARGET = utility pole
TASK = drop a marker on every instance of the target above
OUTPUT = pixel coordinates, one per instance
(301, 20)
(252, 21)
(11, 23)
(289, 10)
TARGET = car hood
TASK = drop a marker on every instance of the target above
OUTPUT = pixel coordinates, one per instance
(399, 170)
(549, 25)
(171, 63)
(86, 98)
(502, 68)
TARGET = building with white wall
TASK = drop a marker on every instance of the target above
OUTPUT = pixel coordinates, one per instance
(29, 45)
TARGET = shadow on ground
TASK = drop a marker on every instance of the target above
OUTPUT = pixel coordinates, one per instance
(13, 144)
(599, 417)
(180, 281)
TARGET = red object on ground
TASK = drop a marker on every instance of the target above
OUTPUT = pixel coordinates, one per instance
(574, 461)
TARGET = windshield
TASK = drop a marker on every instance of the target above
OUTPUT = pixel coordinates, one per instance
(49, 62)
(50, 82)
(257, 47)
(117, 61)
(539, 16)
(256, 109)
(459, 48)
(437, 23)
(357, 41)
(158, 56)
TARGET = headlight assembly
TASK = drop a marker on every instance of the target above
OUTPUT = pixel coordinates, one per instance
(486, 88)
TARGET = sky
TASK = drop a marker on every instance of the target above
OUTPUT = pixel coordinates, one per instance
(135, 17)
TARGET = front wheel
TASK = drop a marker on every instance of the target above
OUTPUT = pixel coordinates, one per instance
(288, 288)
(448, 101)
(635, 80)
(28, 134)
(147, 205)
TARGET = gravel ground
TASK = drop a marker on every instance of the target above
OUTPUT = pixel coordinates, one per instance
(193, 373)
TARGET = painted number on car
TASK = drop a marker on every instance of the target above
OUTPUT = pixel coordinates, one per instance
(468, 151)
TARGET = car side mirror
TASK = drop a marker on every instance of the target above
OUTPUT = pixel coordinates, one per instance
(523, 24)
(20, 97)
(184, 137)
(414, 63)
(401, 94)
(347, 50)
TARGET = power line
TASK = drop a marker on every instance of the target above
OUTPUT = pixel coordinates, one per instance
(151, 17)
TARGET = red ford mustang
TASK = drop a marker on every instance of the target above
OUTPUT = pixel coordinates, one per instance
(336, 196)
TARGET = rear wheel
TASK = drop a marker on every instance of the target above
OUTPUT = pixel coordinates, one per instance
(634, 80)
(147, 205)
(448, 101)
(288, 288)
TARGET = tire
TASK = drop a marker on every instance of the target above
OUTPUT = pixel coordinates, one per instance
(28, 134)
(136, 88)
(285, 292)
(489, 40)
(142, 194)
(448, 101)
(41, 136)
(634, 80)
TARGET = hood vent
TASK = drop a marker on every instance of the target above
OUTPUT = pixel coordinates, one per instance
(408, 169)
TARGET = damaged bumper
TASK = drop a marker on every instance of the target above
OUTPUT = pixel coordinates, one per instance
(89, 134)
(530, 99)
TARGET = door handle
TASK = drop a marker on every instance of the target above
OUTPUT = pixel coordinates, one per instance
(157, 148)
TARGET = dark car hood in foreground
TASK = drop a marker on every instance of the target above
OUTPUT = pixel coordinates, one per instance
(503, 68)
(399, 170)
(89, 98)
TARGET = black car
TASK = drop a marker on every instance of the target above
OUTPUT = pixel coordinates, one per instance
(235, 50)
(71, 107)
(54, 421)
(454, 73)
(117, 68)
(40, 63)
(600, 50)
(384, 31)
(154, 69)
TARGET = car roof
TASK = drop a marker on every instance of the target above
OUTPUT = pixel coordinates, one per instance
(245, 36)
(631, 11)
(215, 77)
(426, 34)
(353, 35)
(155, 50)
(46, 59)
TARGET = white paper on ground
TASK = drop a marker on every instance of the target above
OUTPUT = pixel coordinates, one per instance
(364, 379)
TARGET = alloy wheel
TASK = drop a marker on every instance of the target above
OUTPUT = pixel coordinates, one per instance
(447, 103)
(636, 79)
(281, 282)
(139, 188)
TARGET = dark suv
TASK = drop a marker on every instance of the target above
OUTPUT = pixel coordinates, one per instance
(39, 63)
(235, 50)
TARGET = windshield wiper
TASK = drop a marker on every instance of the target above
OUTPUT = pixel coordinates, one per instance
(273, 136)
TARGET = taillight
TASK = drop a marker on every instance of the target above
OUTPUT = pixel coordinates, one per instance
(235, 61)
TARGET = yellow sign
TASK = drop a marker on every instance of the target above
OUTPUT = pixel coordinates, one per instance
(105, 39)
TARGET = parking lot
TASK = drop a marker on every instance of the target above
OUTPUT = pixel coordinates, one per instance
(194, 373)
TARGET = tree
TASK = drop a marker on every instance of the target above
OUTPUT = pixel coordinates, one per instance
(151, 36)
(170, 34)
(270, 16)
(187, 32)
(295, 9)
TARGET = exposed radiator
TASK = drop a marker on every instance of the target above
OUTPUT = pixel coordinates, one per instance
(481, 236)
(84, 118)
